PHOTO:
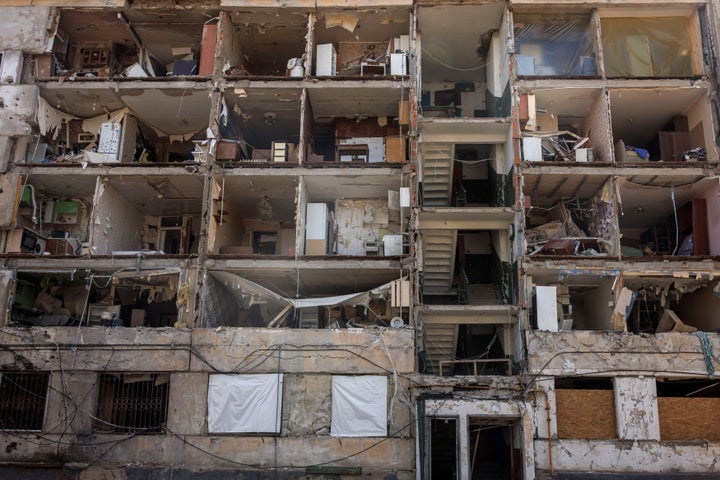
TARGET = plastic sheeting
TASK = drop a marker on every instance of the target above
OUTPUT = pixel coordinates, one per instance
(245, 403)
(359, 406)
(647, 47)
(554, 45)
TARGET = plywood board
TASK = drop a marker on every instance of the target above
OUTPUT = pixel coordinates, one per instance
(587, 414)
(689, 418)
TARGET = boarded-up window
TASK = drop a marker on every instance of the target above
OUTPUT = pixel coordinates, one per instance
(131, 403)
(22, 400)
(585, 414)
(689, 418)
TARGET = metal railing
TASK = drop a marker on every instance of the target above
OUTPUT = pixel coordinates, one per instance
(476, 362)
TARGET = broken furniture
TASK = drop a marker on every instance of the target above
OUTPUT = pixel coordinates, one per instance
(563, 146)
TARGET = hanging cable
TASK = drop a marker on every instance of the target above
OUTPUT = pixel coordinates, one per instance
(677, 230)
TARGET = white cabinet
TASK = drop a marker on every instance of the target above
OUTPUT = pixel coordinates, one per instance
(316, 229)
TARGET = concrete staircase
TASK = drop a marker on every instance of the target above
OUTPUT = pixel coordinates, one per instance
(438, 250)
(440, 344)
(482, 294)
(437, 173)
(438, 253)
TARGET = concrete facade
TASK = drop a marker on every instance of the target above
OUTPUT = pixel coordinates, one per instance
(506, 213)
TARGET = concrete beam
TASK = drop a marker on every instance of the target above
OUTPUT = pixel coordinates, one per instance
(373, 263)
(527, 85)
(615, 354)
(465, 218)
(27, 262)
(629, 457)
(465, 130)
(468, 314)
(304, 351)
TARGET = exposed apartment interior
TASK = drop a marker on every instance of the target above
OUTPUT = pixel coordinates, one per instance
(395, 238)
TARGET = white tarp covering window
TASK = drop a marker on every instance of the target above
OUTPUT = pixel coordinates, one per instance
(245, 403)
(359, 406)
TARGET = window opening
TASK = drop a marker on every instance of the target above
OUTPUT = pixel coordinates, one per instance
(22, 400)
(131, 403)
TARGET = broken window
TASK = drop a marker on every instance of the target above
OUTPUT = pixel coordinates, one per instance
(465, 74)
(659, 220)
(359, 406)
(264, 44)
(132, 43)
(247, 221)
(569, 226)
(358, 139)
(238, 302)
(565, 125)
(151, 215)
(23, 396)
(96, 298)
(687, 409)
(259, 126)
(53, 216)
(662, 46)
(660, 125)
(151, 125)
(345, 218)
(131, 403)
(245, 403)
(554, 45)
(574, 398)
(660, 305)
(361, 43)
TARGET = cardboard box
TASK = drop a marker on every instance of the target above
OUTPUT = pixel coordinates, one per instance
(315, 247)
(546, 122)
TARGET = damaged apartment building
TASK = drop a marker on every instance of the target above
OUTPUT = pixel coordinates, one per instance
(396, 239)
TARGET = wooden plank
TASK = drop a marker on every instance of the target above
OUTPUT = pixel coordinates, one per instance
(688, 418)
(573, 414)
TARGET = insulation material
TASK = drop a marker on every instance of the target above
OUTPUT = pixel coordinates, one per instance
(647, 47)
(245, 403)
(684, 419)
(50, 119)
(559, 45)
(573, 418)
(359, 406)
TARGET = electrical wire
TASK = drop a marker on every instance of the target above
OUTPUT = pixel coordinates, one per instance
(471, 69)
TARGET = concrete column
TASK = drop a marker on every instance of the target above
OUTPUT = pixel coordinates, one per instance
(546, 385)
(636, 408)
(187, 403)
(71, 402)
